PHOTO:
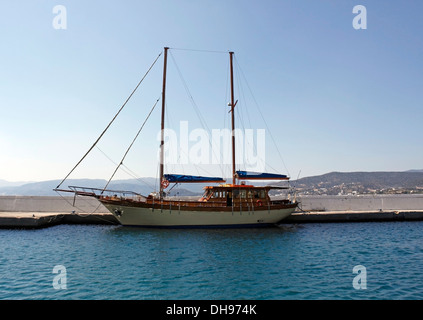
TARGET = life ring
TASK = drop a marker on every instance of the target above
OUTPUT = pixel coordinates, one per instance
(259, 203)
(165, 184)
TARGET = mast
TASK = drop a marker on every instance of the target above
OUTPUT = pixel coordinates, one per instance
(232, 105)
(162, 123)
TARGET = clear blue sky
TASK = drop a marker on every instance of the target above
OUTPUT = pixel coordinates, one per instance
(334, 98)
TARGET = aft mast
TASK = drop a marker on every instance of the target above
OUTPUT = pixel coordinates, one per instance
(162, 123)
(232, 105)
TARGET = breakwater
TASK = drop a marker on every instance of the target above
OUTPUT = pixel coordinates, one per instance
(362, 202)
(50, 204)
(307, 203)
(37, 212)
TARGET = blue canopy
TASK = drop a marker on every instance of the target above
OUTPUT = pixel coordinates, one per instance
(260, 176)
(179, 178)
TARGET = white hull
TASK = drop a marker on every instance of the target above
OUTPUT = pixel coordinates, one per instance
(147, 217)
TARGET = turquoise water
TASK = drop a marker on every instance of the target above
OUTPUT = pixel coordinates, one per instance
(310, 261)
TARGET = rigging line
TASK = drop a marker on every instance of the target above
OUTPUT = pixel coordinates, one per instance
(261, 114)
(244, 106)
(81, 210)
(241, 110)
(130, 146)
(127, 170)
(194, 105)
(121, 108)
(130, 172)
(242, 96)
(196, 109)
(225, 111)
(199, 50)
(170, 166)
(226, 122)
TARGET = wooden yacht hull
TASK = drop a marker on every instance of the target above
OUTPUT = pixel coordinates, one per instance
(130, 215)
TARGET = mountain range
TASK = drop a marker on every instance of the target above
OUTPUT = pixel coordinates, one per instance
(45, 188)
(362, 183)
(331, 183)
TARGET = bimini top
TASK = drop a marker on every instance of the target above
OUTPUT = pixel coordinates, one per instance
(180, 178)
(246, 175)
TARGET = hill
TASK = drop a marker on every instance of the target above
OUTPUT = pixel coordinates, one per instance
(45, 188)
(4, 183)
(362, 183)
(332, 183)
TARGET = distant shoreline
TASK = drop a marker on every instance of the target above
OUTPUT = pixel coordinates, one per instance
(333, 183)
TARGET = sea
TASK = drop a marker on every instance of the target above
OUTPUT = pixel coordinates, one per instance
(316, 261)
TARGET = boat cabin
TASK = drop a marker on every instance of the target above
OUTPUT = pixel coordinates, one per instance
(235, 194)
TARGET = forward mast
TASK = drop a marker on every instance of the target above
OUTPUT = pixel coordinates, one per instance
(231, 104)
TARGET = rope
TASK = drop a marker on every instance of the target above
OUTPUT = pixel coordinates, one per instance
(124, 104)
(261, 114)
(199, 50)
(200, 117)
(130, 146)
(87, 214)
(127, 170)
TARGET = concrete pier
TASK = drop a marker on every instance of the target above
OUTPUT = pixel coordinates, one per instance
(367, 203)
(50, 204)
(358, 208)
(40, 212)
(34, 220)
(354, 216)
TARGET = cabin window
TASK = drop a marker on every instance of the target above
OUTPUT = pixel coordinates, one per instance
(236, 194)
(262, 194)
(250, 193)
(243, 194)
(216, 194)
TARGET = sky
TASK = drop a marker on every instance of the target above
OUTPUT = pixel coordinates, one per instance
(328, 96)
